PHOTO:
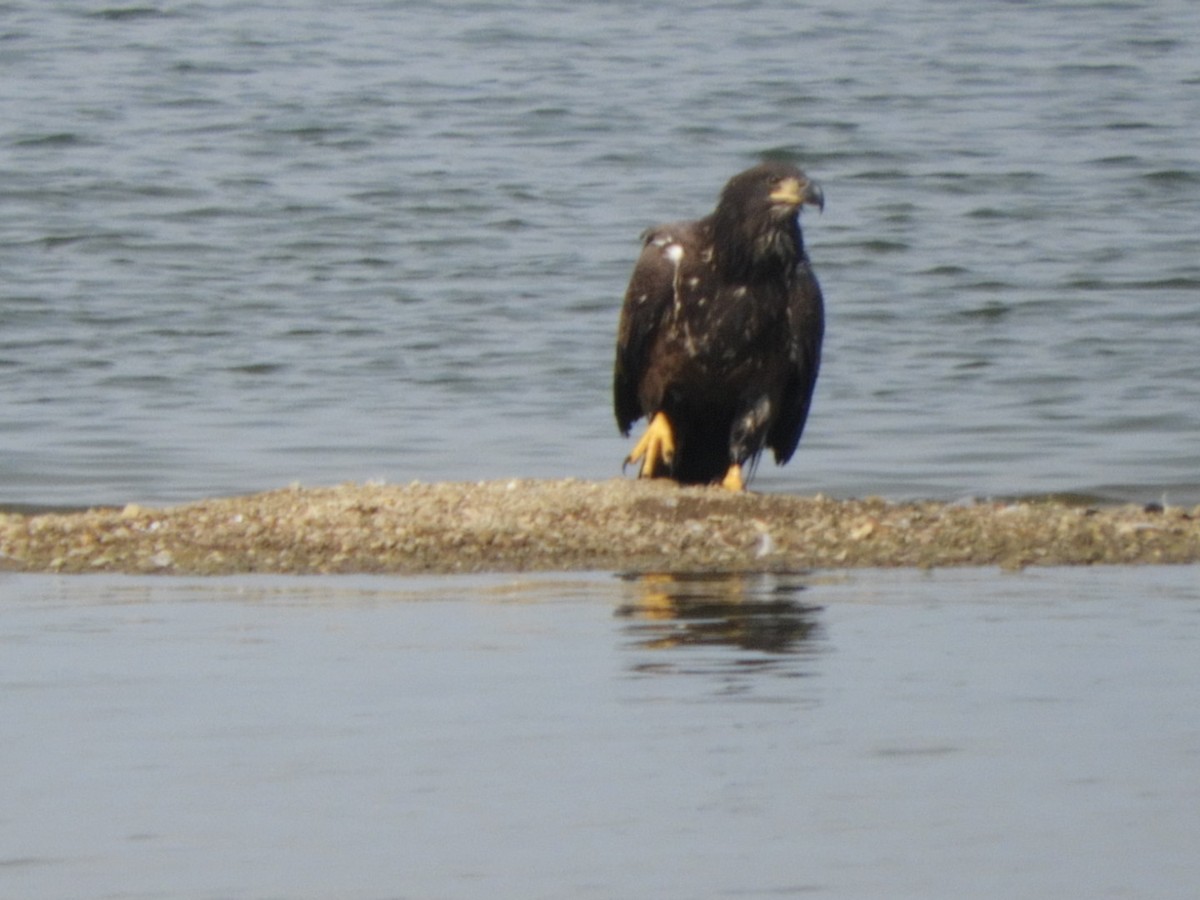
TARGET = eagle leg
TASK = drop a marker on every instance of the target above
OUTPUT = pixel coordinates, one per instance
(656, 447)
(733, 480)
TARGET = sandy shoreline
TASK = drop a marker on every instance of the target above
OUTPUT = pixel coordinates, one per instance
(622, 524)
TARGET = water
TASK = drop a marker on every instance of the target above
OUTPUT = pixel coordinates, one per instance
(246, 244)
(872, 735)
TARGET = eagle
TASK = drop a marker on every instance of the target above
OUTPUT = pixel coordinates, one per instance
(719, 339)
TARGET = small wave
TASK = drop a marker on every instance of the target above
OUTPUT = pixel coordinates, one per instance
(128, 13)
(1171, 177)
(988, 312)
(257, 369)
(55, 139)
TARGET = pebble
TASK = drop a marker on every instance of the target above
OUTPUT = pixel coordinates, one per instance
(623, 525)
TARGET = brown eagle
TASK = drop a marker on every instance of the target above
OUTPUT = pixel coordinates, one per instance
(720, 334)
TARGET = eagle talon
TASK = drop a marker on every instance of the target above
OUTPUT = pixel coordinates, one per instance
(733, 480)
(655, 448)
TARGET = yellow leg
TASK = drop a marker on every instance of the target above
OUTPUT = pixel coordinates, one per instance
(733, 479)
(656, 447)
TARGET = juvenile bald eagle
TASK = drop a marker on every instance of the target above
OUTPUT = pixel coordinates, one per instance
(720, 334)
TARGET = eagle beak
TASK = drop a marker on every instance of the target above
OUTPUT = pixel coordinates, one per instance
(813, 195)
(797, 191)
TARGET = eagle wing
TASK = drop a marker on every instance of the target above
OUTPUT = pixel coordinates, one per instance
(806, 324)
(648, 300)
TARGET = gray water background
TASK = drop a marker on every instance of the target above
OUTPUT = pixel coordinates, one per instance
(892, 735)
(246, 244)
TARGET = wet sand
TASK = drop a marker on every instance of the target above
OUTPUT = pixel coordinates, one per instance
(622, 524)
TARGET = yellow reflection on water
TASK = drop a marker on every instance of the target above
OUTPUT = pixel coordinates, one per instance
(744, 611)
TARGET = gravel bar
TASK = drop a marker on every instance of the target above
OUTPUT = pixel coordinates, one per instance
(621, 524)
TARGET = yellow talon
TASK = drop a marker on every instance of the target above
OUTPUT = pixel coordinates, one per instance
(656, 447)
(733, 479)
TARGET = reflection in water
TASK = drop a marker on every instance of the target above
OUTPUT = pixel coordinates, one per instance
(757, 617)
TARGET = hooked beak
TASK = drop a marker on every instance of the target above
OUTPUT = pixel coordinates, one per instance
(798, 191)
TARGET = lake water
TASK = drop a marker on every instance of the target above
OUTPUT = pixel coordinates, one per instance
(246, 244)
(901, 735)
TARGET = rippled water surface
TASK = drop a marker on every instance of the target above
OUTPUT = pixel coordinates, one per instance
(953, 735)
(245, 244)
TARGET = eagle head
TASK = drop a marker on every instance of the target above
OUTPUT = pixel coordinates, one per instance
(756, 226)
